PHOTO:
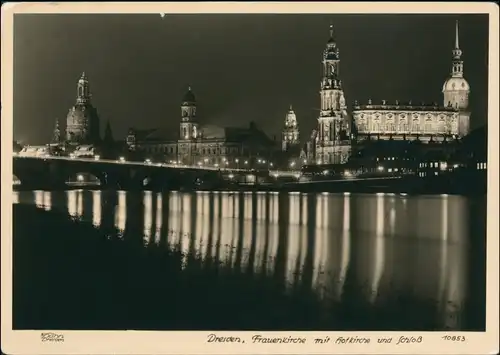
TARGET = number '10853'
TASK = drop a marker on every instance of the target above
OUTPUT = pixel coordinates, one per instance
(454, 337)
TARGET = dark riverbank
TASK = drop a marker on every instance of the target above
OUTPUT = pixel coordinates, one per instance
(70, 275)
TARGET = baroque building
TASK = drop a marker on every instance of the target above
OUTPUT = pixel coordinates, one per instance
(424, 122)
(333, 134)
(202, 144)
(82, 122)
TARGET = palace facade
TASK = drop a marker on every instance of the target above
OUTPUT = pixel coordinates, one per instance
(425, 122)
(203, 144)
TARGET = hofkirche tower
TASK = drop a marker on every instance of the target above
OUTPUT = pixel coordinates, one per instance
(333, 139)
(82, 123)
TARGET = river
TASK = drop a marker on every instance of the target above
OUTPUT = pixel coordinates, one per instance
(432, 246)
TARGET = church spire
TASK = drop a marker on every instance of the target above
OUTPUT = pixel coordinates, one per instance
(56, 134)
(290, 134)
(83, 90)
(108, 134)
(457, 64)
(457, 53)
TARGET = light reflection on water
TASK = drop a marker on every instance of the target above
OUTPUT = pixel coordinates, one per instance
(412, 243)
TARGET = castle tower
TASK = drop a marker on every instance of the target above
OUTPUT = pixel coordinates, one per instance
(456, 89)
(333, 139)
(82, 122)
(189, 125)
(290, 134)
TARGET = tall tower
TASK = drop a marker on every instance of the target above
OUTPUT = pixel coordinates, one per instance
(189, 125)
(290, 135)
(456, 89)
(56, 134)
(333, 144)
(82, 125)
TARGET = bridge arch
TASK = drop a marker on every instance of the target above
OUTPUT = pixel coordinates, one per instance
(84, 178)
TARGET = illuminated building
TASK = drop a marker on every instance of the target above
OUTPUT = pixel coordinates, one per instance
(333, 135)
(203, 144)
(82, 123)
(424, 122)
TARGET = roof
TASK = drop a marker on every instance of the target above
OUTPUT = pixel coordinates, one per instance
(162, 134)
(211, 131)
(456, 84)
(247, 135)
(154, 134)
(189, 96)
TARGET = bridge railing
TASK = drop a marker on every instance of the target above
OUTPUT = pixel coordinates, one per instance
(149, 163)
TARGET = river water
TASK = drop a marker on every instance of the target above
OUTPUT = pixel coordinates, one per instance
(429, 245)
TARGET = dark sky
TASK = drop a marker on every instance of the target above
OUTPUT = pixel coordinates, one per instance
(241, 67)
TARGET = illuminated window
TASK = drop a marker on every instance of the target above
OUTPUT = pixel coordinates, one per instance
(415, 127)
(403, 127)
(362, 125)
(428, 126)
(441, 126)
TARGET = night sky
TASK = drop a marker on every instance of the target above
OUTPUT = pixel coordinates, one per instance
(242, 68)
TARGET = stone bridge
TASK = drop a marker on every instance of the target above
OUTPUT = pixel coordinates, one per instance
(54, 172)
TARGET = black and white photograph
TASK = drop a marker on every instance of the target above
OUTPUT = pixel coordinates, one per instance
(260, 172)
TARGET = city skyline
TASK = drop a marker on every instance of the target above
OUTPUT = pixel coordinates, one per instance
(231, 90)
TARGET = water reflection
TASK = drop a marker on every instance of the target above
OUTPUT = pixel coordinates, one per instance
(315, 240)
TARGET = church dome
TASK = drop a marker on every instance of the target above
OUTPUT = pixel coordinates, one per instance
(456, 84)
(189, 96)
